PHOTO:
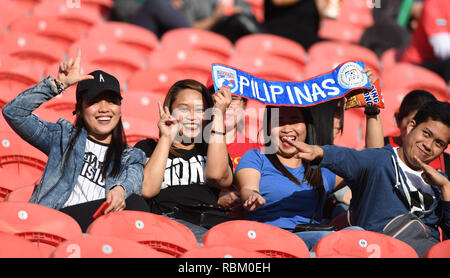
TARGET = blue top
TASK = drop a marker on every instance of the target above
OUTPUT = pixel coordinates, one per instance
(287, 204)
(371, 175)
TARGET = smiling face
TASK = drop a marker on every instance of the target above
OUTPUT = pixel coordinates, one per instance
(101, 115)
(187, 108)
(291, 125)
(426, 141)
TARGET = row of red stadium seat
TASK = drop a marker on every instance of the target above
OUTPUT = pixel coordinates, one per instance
(38, 231)
(36, 35)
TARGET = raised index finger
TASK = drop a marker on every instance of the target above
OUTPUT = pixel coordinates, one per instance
(77, 61)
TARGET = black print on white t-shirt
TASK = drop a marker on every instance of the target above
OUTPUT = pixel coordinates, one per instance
(92, 169)
(184, 172)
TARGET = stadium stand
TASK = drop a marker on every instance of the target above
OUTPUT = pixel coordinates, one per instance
(156, 231)
(407, 77)
(326, 55)
(43, 226)
(208, 42)
(440, 250)
(89, 246)
(272, 45)
(250, 235)
(35, 35)
(21, 194)
(267, 67)
(136, 37)
(362, 244)
(354, 128)
(50, 28)
(35, 50)
(157, 80)
(221, 252)
(16, 247)
(16, 75)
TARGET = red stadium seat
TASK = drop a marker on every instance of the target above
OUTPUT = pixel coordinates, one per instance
(90, 246)
(272, 45)
(353, 133)
(251, 235)
(156, 231)
(63, 104)
(16, 75)
(356, 14)
(392, 100)
(186, 62)
(325, 56)
(209, 43)
(80, 18)
(47, 27)
(141, 104)
(267, 67)
(25, 4)
(35, 50)
(362, 244)
(390, 57)
(221, 252)
(44, 226)
(157, 80)
(21, 183)
(9, 12)
(15, 153)
(109, 56)
(16, 247)
(137, 128)
(408, 77)
(21, 194)
(338, 30)
(440, 250)
(134, 36)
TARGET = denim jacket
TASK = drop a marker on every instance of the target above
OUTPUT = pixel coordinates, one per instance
(58, 180)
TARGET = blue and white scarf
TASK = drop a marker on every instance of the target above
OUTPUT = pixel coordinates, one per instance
(344, 79)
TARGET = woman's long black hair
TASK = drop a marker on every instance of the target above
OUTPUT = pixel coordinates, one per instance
(319, 131)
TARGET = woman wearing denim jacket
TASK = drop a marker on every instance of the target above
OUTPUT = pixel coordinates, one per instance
(87, 162)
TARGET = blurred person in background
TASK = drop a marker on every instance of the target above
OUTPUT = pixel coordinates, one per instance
(430, 45)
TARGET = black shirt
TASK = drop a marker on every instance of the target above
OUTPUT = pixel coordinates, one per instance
(184, 179)
(298, 21)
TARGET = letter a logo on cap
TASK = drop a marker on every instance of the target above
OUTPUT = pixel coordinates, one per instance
(101, 78)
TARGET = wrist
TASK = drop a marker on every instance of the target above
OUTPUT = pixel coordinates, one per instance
(371, 111)
(60, 86)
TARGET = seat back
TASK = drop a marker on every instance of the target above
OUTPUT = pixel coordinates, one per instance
(221, 252)
(267, 239)
(46, 227)
(89, 246)
(362, 244)
(159, 232)
(440, 250)
(16, 247)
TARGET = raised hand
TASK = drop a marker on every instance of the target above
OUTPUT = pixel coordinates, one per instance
(168, 125)
(222, 99)
(433, 177)
(305, 151)
(69, 71)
